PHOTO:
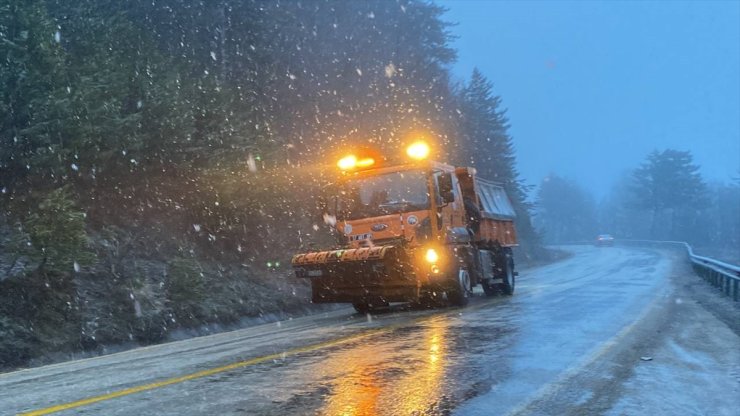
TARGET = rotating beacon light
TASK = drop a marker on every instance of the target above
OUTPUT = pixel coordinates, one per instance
(418, 150)
(350, 162)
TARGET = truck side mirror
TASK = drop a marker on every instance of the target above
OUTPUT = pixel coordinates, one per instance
(445, 188)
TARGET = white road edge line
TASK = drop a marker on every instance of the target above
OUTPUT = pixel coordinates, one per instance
(595, 354)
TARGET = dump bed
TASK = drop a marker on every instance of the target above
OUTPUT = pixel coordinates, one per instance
(497, 213)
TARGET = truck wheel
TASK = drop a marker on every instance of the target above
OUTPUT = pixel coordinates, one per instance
(509, 277)
(459, 292)
(429, 300)
(489, 289)
(362, 307)
(369, 305)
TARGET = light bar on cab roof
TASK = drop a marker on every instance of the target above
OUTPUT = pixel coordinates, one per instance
(365, 162)
(350, 162)
(418, 150)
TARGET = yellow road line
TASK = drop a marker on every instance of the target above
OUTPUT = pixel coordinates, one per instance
(204, 373)
(240, 364)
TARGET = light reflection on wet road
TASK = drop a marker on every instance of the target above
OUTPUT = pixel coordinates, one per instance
(489, 358)
(359, 376)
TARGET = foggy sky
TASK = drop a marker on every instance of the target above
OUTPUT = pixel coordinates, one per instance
(592, 87)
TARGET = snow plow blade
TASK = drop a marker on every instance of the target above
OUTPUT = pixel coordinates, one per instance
(362, 274)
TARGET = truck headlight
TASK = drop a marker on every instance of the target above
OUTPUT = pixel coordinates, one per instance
(431, 256)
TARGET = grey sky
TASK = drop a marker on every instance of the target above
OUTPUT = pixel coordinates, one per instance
(592, 87)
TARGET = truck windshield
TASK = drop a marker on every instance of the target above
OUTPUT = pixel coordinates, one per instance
(384, 194)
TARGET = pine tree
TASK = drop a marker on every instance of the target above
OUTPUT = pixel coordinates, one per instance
(485, 143)
(31, 76)
(668, 185)
(565, 212)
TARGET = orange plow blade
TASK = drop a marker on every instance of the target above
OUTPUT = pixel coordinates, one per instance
(361, 274)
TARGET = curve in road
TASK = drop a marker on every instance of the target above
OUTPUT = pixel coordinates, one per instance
(496, 356)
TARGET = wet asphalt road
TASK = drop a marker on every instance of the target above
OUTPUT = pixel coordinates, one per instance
(499, 355)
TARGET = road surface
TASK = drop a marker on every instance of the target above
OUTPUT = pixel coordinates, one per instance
(607, 331)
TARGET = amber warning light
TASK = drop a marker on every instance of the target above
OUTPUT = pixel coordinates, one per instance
(350, 162)
(418, 150)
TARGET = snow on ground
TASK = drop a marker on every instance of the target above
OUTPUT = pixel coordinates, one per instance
(695, 370)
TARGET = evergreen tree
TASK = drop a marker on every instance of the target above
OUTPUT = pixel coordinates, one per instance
(565, 212)
(382, 78)
(32, 77)
(620, 217)
(669, 186)
(485, 143)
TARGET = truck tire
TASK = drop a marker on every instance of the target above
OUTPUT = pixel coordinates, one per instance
(459, 292)
(367, 306)
(362, 307)
(428, 300)
(499, 272)
(489, 289)
(507, 288)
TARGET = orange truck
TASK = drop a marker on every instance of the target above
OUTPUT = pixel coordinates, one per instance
(419, 231)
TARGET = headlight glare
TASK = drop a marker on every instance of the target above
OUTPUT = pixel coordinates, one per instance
(431, 256)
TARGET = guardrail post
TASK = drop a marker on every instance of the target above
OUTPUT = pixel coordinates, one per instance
(726, 285)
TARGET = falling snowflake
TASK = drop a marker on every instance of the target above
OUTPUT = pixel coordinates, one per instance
(75, 167)
(196, 227)
(330, 219)
(251, 163)
(390, 70)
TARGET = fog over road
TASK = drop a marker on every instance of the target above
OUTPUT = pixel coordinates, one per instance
(570, 340)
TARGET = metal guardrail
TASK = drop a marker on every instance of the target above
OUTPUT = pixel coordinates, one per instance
(721, 275)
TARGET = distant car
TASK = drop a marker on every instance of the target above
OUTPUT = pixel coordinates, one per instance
(604, 240)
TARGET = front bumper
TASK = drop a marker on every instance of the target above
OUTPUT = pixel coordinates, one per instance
(361, 274)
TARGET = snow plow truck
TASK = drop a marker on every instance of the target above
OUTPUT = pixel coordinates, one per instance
(418, 231)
